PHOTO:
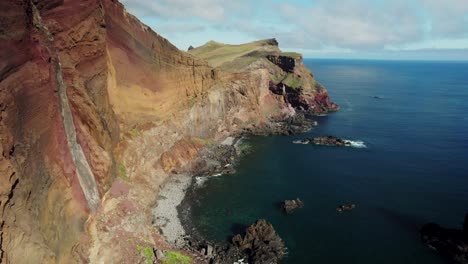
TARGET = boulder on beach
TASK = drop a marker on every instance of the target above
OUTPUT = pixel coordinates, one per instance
(261, 243)
(290, 205)
(450, 243)
(345, 207)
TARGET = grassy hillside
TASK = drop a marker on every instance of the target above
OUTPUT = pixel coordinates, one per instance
(235, 56)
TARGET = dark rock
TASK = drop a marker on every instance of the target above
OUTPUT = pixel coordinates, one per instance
(286, 63)
(290, 205)
(190, 48)
(450, 243)
(261, 243)
(215, 159)
(330, 141)
(345, 207)
(325, 141)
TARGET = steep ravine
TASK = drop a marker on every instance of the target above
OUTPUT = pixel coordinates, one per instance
(84, 173)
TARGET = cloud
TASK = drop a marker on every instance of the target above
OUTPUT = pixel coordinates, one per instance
(350, 25)
(211, 10)
(449, 18)
(355, 24)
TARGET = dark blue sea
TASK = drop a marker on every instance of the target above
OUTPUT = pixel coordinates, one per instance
(414, 169)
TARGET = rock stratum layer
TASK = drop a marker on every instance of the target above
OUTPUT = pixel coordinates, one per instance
(97, 110)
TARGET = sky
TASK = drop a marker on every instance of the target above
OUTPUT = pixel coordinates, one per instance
(348, 29)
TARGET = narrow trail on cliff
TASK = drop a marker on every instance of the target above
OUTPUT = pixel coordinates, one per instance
(83, 170)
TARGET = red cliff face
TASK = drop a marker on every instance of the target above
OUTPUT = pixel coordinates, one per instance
(91, 98)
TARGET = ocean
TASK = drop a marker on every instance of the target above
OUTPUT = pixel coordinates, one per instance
(412, 118)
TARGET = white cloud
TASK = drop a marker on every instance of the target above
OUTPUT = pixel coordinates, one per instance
(211, 10)
(355, 24)
(351, 25)
(449, 18)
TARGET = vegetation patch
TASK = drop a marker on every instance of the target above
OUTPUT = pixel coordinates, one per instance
(205, 141)
(122, 172)
(218, 53)
(135, 132)
(147, 252)
(294, 55)
(174, 257)
(276, 78)
(293, 81)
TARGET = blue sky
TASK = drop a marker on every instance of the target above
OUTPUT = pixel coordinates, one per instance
(353, 29)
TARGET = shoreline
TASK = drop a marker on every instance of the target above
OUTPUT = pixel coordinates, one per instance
(165, 214)
(172, 213)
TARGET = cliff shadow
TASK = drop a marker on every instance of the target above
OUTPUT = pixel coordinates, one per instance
(236, 228)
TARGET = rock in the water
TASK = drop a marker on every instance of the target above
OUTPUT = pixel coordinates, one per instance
(451, 243)
(345, 207)
(325, 141)
(190, 48)
(290, 205)
(261, 243)
(330, 141)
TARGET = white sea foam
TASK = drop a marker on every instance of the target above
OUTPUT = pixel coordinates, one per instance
(200, 180)
(300, 142)
(356, 143)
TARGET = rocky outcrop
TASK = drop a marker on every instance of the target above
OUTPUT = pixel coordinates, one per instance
(345, 207)
(451, 243)
(325, 141)
(261, 242)
(290, 206)
(286, 63)
(290, 80)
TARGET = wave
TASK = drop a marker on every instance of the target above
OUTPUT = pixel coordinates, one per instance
(356, 143)
(200, 180)
(300, 142)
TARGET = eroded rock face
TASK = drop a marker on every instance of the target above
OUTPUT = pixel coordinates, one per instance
(451, 243)
(286, 63)
(261, 243)
(136, 107)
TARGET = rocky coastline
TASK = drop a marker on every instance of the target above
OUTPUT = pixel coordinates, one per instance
(217, 159)
(140, 114)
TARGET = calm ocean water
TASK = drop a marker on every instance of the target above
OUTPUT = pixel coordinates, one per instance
(414, 169)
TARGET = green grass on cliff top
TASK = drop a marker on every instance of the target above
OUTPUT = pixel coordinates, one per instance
(218, 54)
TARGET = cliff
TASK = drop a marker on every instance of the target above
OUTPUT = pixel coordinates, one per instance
(97, 110)
(288, 77)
